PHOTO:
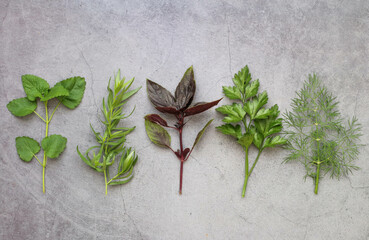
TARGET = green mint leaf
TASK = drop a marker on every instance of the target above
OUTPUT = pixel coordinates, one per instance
(53, 145)
(229, 129)
(26, 148)
(56, 91)
(235, 112)
(157, 134)
(232, 92)
(246, 140)
(34, 86)
(199, 135)
(272, 142)
(242, 79)
(252, 89)
(76, 88)
(21, 107)
(252, 107)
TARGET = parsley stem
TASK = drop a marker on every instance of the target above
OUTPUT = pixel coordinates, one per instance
(246, 171)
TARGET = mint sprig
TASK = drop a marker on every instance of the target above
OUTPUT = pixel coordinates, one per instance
(38, 88)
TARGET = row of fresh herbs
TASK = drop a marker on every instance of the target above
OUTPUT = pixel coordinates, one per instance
(314, 134)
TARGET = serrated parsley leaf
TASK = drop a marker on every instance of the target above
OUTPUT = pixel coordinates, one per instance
(234, 112)
(229, 129)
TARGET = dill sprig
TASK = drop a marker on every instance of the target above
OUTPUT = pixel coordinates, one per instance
(317, 136)
(111, 142)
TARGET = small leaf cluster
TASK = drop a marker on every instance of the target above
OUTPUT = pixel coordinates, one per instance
(259, 123)
(248, 120)
(68, 92)
(111, 142)
(178, 105)
(316, 133)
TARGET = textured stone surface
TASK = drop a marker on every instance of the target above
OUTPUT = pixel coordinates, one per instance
(282, 42)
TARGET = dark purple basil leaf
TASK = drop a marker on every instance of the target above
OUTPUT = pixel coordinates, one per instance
(185, 152)
(170, 110)
(185, 90)
(178, 154)
(159, 96)
(155, 118)
(200, 107)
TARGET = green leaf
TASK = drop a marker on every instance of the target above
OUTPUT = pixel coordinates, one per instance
(56, 91)
(76, 88)
(34, 86)
(252, 107)
(157, 134)
(21, 107)
(130, 93)
(262, 113)
(229, 129)
(199, 135)
(232, 92)
(258, 137)
(26, 148)
(53, 145)
(242, 78)
(246, 140)
(235, 112)
(272, 142)
(252, 89)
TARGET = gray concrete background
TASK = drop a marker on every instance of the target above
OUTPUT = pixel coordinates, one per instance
(281, 41)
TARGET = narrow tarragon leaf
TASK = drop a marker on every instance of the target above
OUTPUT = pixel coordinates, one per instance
(199, 135)
(53, 145)
(229, 129)
(26, 148)
(246, 140)
(159, 96)
(157, 134)
(272, 142)
(185, 90)
(76, 87)
(129, 94)
(56, 91)
(252, 89)
(21, 107)
(200, 107)
(155, 118)
(232, 92)
(34, 86)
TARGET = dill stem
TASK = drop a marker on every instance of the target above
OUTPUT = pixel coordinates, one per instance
(317, 179)
(246, 171)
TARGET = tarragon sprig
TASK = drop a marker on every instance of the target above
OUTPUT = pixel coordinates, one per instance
(259, 123)
(317, 136)
(111, 141)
